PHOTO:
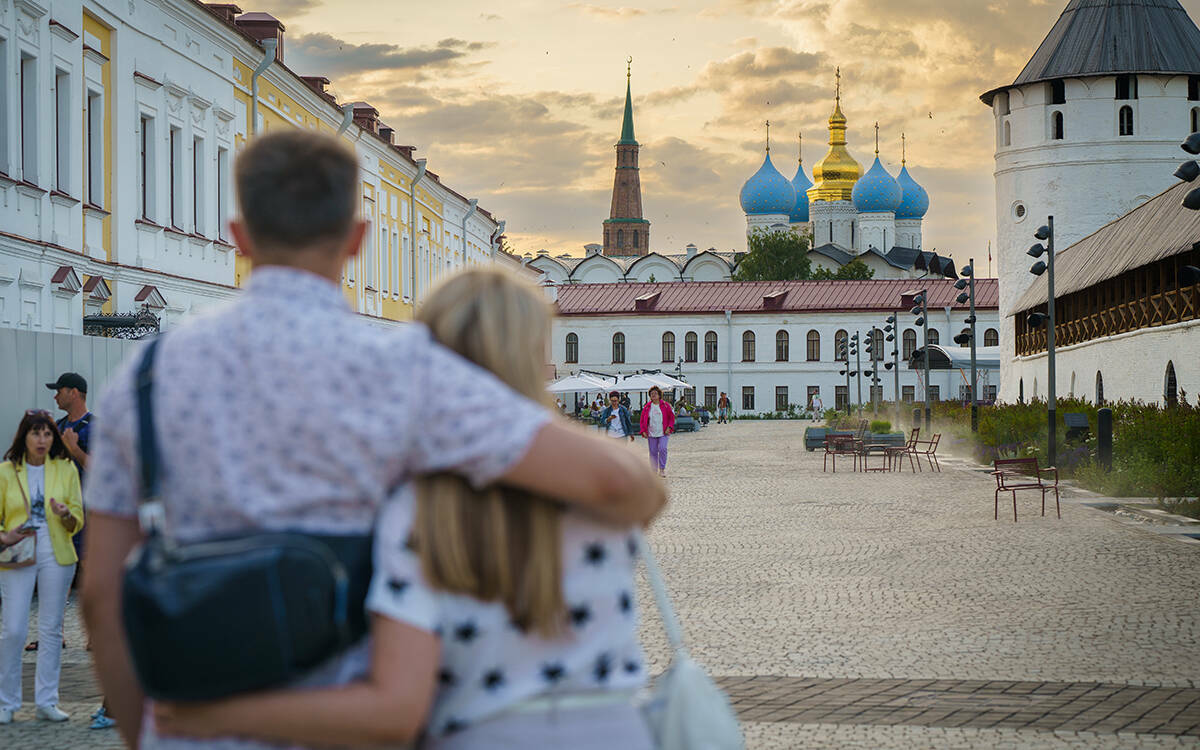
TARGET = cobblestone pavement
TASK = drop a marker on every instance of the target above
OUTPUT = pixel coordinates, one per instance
(849, 589)
(886, 610)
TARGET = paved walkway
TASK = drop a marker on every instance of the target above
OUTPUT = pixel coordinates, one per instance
(889, 611)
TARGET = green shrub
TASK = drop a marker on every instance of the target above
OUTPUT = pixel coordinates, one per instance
(881, 426)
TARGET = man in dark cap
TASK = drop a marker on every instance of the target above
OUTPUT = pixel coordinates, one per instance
(70, 393)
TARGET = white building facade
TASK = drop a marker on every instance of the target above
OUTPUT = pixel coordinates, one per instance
(119, 126)
(1085, 135)
(766, 344)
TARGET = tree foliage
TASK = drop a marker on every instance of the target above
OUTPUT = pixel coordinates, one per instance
(774, 256)
(855, 270)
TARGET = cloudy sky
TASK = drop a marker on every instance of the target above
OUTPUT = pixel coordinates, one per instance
(519, 103)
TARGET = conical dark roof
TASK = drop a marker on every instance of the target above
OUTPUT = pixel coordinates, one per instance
(1105, 37)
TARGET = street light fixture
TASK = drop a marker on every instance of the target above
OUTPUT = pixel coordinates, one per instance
(1188, 171)
(921, 308)
(1192, 144)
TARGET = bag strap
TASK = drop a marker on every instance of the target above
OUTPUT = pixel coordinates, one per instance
(28, 505)
(149, 507)
(661, 598)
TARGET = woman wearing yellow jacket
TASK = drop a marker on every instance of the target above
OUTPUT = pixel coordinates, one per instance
(39, 497)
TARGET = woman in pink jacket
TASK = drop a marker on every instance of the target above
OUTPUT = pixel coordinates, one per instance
(658, 421)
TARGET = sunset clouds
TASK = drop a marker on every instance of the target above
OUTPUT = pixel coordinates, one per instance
(519, 104)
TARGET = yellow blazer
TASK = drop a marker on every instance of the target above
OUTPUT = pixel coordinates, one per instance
(62, 484)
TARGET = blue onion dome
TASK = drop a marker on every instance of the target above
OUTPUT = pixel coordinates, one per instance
(916, 201)
(877, 190)
(768, 192)
(801, 183)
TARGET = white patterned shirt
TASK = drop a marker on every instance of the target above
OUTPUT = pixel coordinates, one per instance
(284, 410)
(488, 664)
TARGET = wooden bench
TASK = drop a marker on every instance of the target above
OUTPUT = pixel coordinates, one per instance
(1013, 474)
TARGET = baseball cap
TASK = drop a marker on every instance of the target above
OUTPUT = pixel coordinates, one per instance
(69, 380)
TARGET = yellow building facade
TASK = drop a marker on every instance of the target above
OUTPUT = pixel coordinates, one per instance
(120, 125)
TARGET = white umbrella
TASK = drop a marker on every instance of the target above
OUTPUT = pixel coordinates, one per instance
(578, 383)
(666, 381)
(636, 383)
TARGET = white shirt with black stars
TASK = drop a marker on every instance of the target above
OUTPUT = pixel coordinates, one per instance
(488, 664)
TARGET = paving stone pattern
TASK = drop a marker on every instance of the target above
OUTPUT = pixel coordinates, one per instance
(885, 611)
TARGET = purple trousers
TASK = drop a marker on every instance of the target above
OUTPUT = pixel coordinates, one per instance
(658, 452)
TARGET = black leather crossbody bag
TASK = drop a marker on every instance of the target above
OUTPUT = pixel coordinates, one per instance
(210, 619)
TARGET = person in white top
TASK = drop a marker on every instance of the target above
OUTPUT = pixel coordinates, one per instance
(528, 607)
(818, 409)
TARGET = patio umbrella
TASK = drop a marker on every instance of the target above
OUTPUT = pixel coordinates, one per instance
(666, 381)
(636, 383)
(578, 383)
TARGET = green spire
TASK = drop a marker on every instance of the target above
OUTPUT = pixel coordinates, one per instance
(627, 125)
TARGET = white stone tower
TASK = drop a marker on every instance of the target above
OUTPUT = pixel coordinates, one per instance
(1088, 130)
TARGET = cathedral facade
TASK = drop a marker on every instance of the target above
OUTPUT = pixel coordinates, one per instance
(874, 217)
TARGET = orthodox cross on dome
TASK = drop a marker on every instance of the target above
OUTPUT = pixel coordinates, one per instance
(877, 138)
(837, 92)
(800, 149)
(628, 67)
(902, 150)
(768, 136)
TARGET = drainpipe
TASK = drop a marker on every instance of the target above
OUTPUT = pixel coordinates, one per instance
(496, 235)
(269, 46)
(347, 118)
(729, 356)
(474, 207)
(412, 225)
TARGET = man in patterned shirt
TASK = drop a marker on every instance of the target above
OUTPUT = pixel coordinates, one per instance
(300, 415)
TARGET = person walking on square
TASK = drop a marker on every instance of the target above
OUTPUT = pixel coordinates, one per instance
(39, 497)
(723, 409)
(303, 417)
(657, 422)
(615, 419)
(530, 607)
(818, 407)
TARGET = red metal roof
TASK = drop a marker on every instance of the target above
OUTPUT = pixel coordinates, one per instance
(678, 298)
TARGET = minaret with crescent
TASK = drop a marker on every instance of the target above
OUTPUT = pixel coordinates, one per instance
(625, 231)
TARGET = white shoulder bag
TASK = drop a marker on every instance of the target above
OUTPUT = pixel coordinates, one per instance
(22, 553)
(685, 709)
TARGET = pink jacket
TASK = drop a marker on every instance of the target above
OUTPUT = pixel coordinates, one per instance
(668, 418)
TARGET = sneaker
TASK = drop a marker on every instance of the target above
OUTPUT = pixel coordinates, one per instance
(101, 720)
(52, 713)
(6, 715)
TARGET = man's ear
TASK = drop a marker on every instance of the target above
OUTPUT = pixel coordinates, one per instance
(241, 238)
(354, 239)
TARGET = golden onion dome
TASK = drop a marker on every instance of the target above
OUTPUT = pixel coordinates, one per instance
(834, 176)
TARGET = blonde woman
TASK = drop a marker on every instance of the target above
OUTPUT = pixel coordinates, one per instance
(526, 607)
(39, 497)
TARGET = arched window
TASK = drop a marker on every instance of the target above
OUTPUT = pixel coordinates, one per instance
(620, 238)
(877, 344)
(1007, 133)
(572, 348)
(1058, 132)
(618, 348)
(814, 347)
(1171, 387)
(689, 346)
(1099, 389)
(781, 346)
(1125, 120)
(635, 238)
(1195, 124)
(710, 346)
(841, 348)
(910, 344)
(1058, 92)
(668, 347)
(748, 346)
(991, 337)
(934, 337)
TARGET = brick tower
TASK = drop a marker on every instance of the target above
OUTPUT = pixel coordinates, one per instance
(625, 231)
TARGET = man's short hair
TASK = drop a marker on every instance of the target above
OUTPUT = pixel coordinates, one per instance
(296, 189)
(614, 394)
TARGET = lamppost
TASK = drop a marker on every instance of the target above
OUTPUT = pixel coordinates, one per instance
(921, 310)
(843, 353)
(854, 349)
(968, 283)
(890, 329)
(873, 358)
(1036, 319)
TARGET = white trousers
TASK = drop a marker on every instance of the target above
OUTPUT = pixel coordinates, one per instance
(16, 599)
